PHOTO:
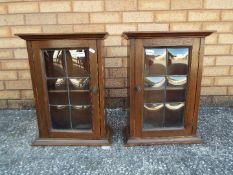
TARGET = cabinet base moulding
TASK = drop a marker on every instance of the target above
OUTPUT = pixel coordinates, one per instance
(163, 140)
(70, 142)
(74, 142)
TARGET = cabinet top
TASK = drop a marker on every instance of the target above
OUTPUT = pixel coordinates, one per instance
(142, 35)
(49, 36)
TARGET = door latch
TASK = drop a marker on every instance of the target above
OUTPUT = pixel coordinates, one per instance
(94, 90)
(138, 88)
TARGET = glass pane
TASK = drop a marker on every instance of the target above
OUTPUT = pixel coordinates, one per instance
(177, 81)
(80, 98)
(60, 117)
(176, 88)
(54, 63)
(178, 61)
(78, 68)
(79, 83)
(174, 114)
(154, 96)
(156, 82)
(81, 117)
(153, 115)
(165, 81)
(175, 95)
(68, 82)
(78, 63)
(154, 89)
(155, 62)
(57, 84)
(58, 98)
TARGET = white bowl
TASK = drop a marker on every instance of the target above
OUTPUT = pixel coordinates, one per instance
(79, 82)
(174, 106)
(155, 81)
(153, 107)
(177, 80)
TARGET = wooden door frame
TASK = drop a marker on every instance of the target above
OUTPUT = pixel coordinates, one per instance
(193, 44)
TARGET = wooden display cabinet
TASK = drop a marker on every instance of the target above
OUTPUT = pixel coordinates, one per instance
(67, 73)
(165, 70)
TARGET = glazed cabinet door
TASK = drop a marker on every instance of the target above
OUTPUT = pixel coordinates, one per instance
(165, 85)
(66, 76)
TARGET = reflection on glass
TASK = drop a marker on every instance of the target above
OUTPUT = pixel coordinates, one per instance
(175, 95)
(81, 117)
(80, 98)
(153, 115)
(153, 107)
(154, 96)
(178, 55)
(154, 81)
(174, 114)
(177, 80)
(54, 63)
(68, 80)
(174, 106)
(155, 61)
(78, 62)
(165, 80)
(178, 61)
(58, 98)
(79, 83)
(57, 84)
(59, 117)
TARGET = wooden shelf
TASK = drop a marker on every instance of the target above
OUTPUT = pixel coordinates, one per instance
(66, 91)
(163, 88)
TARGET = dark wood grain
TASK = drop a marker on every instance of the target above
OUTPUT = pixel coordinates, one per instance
(163, 140)
(131, 84)
(42, 127)
(149, 34)
(61, 36)
(139, 74)
(198, 85)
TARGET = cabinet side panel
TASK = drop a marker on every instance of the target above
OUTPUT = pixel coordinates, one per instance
(191, 89)
(198, 85)
(101, 65)
(131, 84)
(42, 127)
(128, 76)
(139, 93)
